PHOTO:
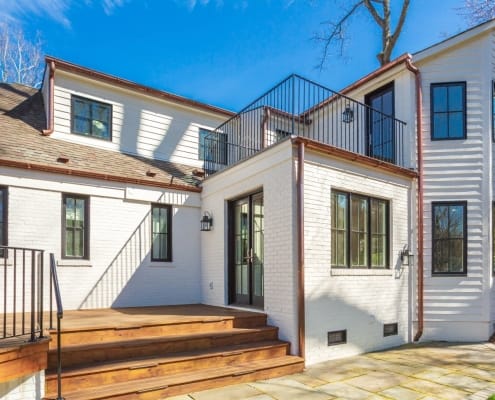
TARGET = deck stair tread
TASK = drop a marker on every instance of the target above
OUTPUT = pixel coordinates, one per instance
(144, 362)
(136, 388)
(143, 341)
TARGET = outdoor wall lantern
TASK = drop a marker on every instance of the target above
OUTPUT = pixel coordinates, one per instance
(347, 115)
(206, 222)
(406, 257)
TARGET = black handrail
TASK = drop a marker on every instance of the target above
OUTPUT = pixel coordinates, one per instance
(300, 107)
(54, 287)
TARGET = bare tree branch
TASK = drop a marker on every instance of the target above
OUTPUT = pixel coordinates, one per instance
(477, 11)
(380, 12)
(336, 34)
(20, 59)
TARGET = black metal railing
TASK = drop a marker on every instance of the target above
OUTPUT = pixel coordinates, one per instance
(55, 292)
(23, 280)
(27, 288)
(300, 107)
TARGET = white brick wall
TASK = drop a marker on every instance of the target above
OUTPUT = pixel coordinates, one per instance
(119, 272)
(356, 300)
(271, 171)
(30, 387)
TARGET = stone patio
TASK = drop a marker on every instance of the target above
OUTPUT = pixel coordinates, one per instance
(426, 371)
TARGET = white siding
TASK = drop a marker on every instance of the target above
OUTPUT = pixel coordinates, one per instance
(141, 124)
(271, 171)
(360, 301)
(457, 308)
(119, 272)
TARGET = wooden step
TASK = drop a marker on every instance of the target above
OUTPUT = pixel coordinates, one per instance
(96, 375)
(189, 381)
(128, 331)
(151, 346)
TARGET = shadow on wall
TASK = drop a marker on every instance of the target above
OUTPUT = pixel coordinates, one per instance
(361, 306)
(121, 269)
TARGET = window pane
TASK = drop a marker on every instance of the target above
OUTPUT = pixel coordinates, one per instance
(456, 125)
(456, 98)
(160, 233)
(440, 99)
(78, 243)
(448, 238)
(440, 126)
(92, 118)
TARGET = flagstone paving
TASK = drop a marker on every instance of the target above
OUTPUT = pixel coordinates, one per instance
(426, 371)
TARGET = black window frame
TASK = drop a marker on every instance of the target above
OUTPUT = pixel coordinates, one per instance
(73, 116)
(463, 85)
(348, 232)
(86, 227)
(219, 155)
(464, 205)
(168, 208)
(4, 194)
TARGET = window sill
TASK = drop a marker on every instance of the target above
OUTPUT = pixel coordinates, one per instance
(160, 264)
(74, 263)
(360, 272)
(447, 275)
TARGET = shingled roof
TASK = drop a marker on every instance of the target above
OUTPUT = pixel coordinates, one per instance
(22, 117)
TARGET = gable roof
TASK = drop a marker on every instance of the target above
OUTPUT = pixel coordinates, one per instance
(136, 87)
(22, 117)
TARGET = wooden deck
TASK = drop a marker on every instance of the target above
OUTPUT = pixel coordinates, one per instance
(156, 352)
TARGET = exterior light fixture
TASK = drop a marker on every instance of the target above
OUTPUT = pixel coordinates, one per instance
(406, 257)
(348, 115)
(206, 222)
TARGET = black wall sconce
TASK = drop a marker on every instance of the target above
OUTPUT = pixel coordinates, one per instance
(348, 115)
(206, 222)
(406, 257)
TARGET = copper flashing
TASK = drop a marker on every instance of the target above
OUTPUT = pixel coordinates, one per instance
(96, 175)
(77, 69)
(354, 157)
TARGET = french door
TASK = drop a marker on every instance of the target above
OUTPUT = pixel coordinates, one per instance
(380, 123)
(246, 250)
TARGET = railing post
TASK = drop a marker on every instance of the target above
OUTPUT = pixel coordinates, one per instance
(41, 283)
(33, 294)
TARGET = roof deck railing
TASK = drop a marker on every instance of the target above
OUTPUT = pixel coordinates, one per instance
(300, 107)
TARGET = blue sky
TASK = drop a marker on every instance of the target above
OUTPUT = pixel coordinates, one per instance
(221, 52)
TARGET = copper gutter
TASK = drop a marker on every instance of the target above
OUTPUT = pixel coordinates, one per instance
(300, 247)
(419, 120)
(51, 84)
(113, 80)
(96, 175)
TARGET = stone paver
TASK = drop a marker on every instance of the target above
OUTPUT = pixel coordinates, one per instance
(426, 371)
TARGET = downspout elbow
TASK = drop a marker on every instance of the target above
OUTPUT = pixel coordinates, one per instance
(51, 84)
(419, 138)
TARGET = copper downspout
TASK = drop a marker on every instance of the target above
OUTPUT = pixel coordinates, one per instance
(419, 119)
(49, 130)
(300, 248)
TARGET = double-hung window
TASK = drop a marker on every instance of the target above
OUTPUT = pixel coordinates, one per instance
(448, 110)
(3, 218)
(212, 146)
(449, 237)
(360, 231)
(91, 118)
(161, 232)
(75, 226)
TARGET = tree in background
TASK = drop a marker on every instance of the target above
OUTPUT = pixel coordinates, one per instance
(20, 58)
(335, 33)
(478, 11)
